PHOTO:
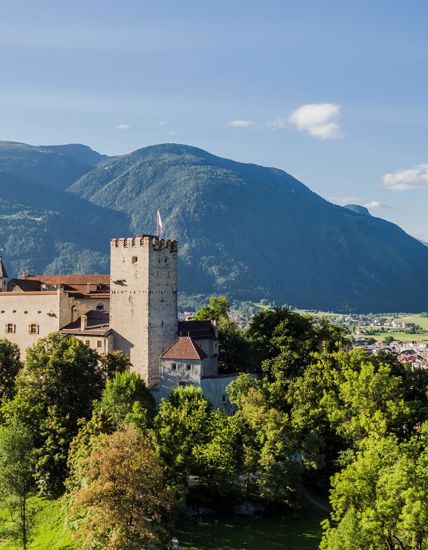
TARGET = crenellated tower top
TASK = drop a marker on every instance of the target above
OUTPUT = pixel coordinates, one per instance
(144, 240)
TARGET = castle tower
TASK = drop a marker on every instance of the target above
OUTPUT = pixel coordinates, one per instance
(143, 300)
(3, 276)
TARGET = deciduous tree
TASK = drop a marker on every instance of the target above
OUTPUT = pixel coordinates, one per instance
(124, 500)
(56, 387)
(16, 478)
(10, 365)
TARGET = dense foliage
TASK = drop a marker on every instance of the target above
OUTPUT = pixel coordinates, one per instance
(56, 388)
(311, 414)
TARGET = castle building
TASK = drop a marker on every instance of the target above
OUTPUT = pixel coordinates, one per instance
(134, 310)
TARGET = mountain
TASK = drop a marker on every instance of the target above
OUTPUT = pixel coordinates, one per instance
(78, 152)
(43, 165)
(54, 232)
(358, 209)
(253, 232)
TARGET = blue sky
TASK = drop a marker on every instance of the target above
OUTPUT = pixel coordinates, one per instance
(333, 92)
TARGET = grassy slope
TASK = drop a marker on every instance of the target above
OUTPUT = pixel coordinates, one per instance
(300, 533)
(293, 533)
(50, 532)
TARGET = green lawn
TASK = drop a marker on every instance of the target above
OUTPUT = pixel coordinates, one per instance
(50, 532)
(292, 533)
(301, 532)
(403, 336)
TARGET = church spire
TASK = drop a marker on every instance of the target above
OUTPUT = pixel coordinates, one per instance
(3, 274)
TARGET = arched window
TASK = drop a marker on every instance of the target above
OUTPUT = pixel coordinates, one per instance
(74, 313)
(100, 307)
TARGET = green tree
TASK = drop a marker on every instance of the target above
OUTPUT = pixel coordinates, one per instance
(196, 440)
(353, 393)
(217, 308)
(273, 456)
(10, 364)
(126, 399)
(283, 343)
(234, 350)
(56, 388)
(123, 500)
(380, 499)
(16, 478)
(111, 363)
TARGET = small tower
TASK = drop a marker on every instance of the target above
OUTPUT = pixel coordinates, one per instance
(143, 300)
(3, 275)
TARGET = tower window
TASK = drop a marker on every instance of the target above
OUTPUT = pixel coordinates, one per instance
(33, 328)
(10, 328)
(134, 259)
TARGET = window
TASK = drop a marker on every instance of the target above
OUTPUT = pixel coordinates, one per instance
(10, 328)
(100, 307)
(188, 367)
(173, 366)
(33, 328)
(88, 343)
(134, 259)
(99, 343)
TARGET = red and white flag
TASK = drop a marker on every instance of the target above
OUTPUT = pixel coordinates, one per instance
(159, 224)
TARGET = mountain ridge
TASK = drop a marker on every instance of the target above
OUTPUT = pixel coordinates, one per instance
(243, 229)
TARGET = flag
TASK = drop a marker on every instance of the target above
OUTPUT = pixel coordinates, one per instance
(159, 224)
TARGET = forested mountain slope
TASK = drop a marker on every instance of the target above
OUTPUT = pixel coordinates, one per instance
(252, 231)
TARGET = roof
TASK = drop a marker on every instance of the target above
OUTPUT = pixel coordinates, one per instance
(184, 348)
(3, 272)
(198, 330)
(24, 285)
(98, 285)
(98, 323)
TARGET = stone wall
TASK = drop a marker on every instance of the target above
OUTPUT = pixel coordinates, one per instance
(143, 300)
(41, 310)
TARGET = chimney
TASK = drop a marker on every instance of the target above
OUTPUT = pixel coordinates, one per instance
(83, 322)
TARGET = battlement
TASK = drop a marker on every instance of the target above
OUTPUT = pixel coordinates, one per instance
(144, 240)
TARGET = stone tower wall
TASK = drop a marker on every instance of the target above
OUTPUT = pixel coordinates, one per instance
(143, 300)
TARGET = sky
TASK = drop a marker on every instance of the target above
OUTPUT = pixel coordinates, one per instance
(333, 92)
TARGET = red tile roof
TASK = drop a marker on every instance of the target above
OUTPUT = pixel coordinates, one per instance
(184, 348)
(81, 284)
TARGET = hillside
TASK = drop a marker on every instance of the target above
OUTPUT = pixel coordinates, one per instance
(46, 166)
(254, 232)
(54, 232)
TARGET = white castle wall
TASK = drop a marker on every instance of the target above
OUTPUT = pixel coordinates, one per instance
(24, 309)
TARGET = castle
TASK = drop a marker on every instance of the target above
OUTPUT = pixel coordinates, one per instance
(134, 310)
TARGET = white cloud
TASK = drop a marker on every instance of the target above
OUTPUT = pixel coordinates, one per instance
(162, 123)
(411, 178)
(123, 126)
(240, 123)
(319, 120)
